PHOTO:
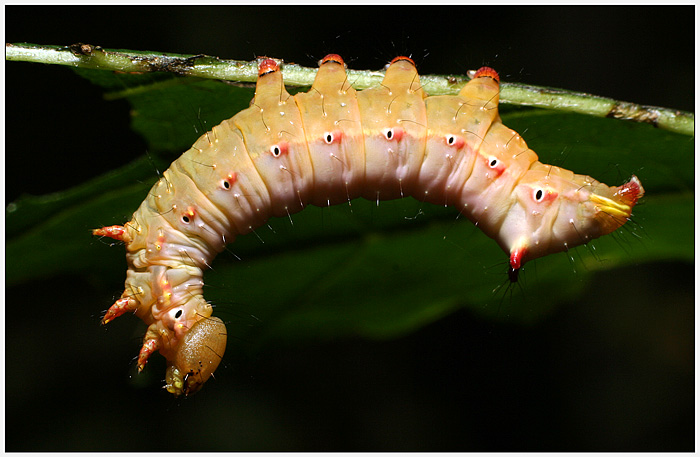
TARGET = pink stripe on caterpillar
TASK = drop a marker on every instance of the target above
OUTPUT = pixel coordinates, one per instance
(328, 146)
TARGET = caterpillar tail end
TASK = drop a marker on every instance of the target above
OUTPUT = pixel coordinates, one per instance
(591, 214)
(614, 211)
(630, 192)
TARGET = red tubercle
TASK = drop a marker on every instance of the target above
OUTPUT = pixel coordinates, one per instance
(267, 66)
(516, 257)
(332, 58)
(399, 58)
(487, 71)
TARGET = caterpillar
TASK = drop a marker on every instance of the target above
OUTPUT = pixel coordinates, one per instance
(328, 146)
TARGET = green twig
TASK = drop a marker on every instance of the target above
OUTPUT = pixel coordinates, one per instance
(94, 57)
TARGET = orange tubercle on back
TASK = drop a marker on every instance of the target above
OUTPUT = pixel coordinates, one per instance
(267, 66)
(399, 58)
(487, 71)
(332, 58)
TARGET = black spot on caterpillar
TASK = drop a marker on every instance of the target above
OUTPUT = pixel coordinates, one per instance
(328, 146)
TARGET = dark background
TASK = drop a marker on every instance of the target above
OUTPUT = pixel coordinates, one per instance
(587, 379)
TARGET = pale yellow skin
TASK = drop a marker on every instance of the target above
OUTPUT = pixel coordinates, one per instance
(328, 146)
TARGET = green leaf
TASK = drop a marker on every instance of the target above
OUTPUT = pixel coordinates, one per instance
(361, 269)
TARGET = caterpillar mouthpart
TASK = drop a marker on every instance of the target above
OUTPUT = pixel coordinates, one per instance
(196, 357)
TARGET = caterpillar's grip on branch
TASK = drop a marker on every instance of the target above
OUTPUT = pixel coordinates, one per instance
(328, 146)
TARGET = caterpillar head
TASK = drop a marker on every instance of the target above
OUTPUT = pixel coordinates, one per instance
(196, 357)
(555, 210)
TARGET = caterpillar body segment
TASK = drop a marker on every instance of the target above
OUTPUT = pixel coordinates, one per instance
(333, 127)
(329, 146)
(274, 138)
(394, 126)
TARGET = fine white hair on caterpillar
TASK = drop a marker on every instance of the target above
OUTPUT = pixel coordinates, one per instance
(328, 146)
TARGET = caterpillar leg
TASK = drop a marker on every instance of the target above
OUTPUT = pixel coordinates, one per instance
(150, 345)
(117, 232)
(121, 306)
